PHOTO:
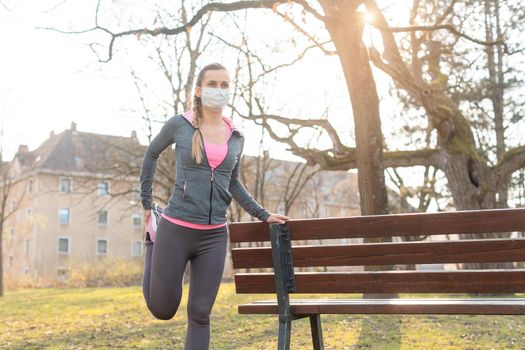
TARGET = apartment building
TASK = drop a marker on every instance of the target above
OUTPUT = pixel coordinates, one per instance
(71, 199)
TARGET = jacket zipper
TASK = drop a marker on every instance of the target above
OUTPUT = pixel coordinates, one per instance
(211, 189)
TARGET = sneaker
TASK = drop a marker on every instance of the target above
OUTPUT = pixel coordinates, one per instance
(153, 222)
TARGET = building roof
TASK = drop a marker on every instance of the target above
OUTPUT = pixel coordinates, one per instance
(72, 150)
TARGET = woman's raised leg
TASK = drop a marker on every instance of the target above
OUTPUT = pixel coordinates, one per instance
(166, 260)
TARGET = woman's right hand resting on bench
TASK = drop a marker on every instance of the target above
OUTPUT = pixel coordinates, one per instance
(278, 218)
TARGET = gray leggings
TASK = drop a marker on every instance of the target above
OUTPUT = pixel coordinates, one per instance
(165, 261)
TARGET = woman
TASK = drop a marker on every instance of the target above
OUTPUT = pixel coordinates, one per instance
(193, 226)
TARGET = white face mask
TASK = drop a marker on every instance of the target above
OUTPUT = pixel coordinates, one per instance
(215, 98)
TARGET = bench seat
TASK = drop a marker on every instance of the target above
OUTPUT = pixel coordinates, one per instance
(449, 306)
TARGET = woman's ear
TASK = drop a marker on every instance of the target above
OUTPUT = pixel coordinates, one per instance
(198, 91)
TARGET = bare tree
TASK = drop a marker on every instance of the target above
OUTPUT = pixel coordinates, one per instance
(471, 180)
(7, 182)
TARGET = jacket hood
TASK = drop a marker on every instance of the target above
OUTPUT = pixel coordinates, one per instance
(189, 116)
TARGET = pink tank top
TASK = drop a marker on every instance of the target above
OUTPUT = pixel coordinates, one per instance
(215, 154)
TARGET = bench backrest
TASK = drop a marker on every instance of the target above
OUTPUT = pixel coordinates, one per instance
(285, 255)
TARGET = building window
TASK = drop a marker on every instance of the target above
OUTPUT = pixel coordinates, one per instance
(13, 205)
(103, 217)
(65, 185)
(26, 270)
(136, 249)
(30, 186)
(63, 246)
(326, 211)
(137, 220)
(10, 260)
(103, 188)
(102, 247)
(28, 213)
(64, 217)
(62, 272)
(280, 208)
(135, 192)
(26, 246)
(11, 232)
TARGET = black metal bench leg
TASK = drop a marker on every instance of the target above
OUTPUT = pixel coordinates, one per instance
(285, 332)
(317, 332)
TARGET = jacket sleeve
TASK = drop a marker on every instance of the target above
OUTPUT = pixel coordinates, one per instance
(242, 196)
(160, 142)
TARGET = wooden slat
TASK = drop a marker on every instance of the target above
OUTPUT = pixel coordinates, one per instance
(481, 306)
(472, 221)
(490, 250)
(462, 281)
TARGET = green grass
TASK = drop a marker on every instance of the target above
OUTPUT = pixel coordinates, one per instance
(112, 318)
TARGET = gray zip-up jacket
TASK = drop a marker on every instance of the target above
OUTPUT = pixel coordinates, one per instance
(200, 195)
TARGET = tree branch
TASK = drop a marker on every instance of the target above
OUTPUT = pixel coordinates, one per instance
(393, 159)
(339, 157)
(436, 27)
(4, 6)
(391, 50)
(213, 6)
(308, 35)
(512, 161)
(310, 9)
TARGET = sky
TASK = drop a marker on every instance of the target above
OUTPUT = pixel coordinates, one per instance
(49, 80)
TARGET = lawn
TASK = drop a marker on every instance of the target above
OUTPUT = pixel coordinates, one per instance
(112, 318)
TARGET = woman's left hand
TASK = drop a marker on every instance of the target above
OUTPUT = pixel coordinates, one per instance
(278, 218)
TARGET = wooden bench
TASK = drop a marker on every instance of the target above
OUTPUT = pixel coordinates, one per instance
(283, 257)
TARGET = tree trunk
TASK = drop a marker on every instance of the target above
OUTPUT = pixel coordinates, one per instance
(1, 259)
(496, 87)
(345, 25)
(472, 183)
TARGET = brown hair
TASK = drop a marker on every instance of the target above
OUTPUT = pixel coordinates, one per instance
(196, 145)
